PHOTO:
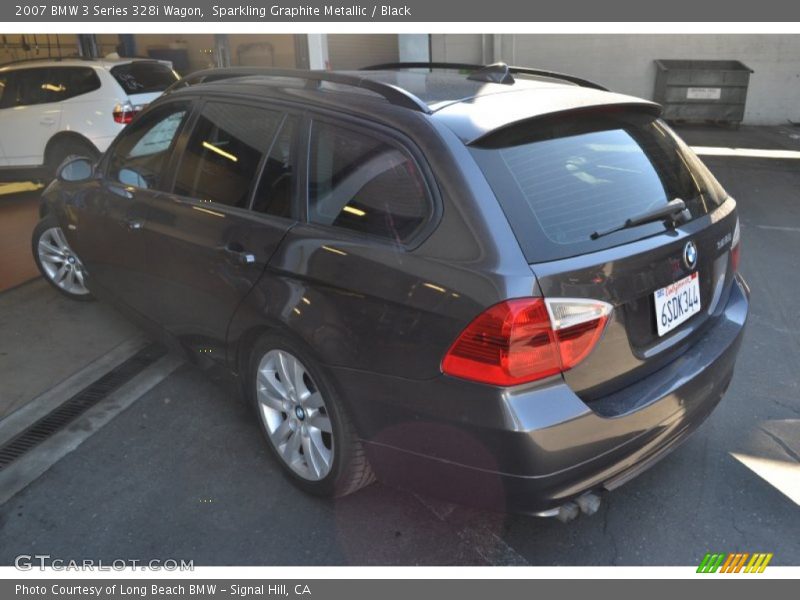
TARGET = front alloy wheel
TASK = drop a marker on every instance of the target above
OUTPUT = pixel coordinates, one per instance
(59, 265)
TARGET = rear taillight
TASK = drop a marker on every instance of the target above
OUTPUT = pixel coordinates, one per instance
(124, 113)
(736, 247)
(518, 341)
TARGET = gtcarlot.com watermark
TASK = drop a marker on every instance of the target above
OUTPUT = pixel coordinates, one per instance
(29, 562)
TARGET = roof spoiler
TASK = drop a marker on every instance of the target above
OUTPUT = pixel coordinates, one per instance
(496, 135)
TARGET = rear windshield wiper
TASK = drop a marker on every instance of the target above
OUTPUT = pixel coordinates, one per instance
(672, 212)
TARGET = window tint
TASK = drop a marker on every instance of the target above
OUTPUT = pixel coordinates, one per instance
(26, 87)
(143, 77)
(364, 184)
(68, 82)
(274, 193)
(4, 85)
(581, 175)
(224, 151)
(143, 148)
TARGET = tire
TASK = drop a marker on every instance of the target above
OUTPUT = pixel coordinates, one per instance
(56, 261)
(348, 469)
(61, 150)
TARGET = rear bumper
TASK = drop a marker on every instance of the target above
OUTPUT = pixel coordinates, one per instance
(529, 449)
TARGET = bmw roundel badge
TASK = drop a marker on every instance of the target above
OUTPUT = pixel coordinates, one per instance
(690, 255)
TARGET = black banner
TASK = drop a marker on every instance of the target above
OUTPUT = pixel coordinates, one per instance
(231, 11)
(396, 589)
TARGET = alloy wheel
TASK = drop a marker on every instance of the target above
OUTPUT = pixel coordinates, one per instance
(59, 262)
(296, 418)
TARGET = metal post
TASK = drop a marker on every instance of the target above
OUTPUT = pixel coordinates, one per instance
(127, 45)
(87, 45)
(301, 51)
(222, 50)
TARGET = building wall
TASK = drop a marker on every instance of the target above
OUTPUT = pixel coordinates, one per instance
(23, 46)
(356, 51)
(625, 62)
(466, 48)
(275, 50)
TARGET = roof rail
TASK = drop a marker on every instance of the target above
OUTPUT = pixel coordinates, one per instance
(490, 72)
(394, 94)
(77, 58)
(44, 59)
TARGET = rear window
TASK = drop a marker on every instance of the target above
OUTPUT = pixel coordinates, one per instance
(69, 82)
(144, 77)
(563, 180)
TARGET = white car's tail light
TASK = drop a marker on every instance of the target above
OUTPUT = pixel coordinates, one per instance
(124, 113)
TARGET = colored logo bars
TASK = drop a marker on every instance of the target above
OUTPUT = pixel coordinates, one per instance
(735, 562)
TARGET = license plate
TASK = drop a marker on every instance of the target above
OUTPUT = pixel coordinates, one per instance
(677, 302)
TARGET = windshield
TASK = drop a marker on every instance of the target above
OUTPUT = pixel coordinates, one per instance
(564, 179)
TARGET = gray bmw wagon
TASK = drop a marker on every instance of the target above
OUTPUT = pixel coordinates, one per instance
(506, 287)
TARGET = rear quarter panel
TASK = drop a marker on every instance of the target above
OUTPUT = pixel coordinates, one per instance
(370, 305)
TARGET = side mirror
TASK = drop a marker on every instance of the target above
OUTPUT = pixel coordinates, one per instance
(133, 177)
(75, 168)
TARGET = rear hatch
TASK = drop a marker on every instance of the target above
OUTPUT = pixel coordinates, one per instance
(144, 80)
(564, 180)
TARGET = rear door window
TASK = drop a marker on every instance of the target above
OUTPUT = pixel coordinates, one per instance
(28, 87)
(277, 182)
(365, 184)
(224, 152)
(561, 181)
(144, 77)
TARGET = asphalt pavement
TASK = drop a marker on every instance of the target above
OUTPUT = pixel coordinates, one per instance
(183, 472)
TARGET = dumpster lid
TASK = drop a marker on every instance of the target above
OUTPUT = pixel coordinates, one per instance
(701, 65)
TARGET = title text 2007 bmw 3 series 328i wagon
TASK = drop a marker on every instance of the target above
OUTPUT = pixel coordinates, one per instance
(505, 287)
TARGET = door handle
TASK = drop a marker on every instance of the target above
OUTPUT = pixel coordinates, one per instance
(47, 121)
(133, 224)
(238, 255)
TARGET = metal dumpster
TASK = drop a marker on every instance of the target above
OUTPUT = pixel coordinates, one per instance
(702, 90)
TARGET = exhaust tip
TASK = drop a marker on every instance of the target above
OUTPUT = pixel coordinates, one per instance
(567, 512)
(589, 503)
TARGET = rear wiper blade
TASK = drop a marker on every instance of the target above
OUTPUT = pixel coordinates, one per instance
(672, 211)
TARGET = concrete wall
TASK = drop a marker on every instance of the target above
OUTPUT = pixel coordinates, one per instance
(13, 47)
(356, 51)
(276, 50)
(625, 62)
(250, 50)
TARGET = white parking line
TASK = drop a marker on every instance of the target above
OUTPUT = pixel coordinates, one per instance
(32, 411)
(18, 188)
(31, 465)
(746, 152)
(779, 228)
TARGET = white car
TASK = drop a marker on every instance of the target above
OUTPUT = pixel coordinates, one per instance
(54, 108)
